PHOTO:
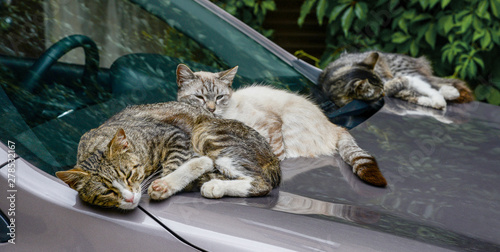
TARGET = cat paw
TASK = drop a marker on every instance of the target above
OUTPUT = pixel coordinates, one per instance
(449, 92)
(159, 190)
(433, 103)
(213, 189)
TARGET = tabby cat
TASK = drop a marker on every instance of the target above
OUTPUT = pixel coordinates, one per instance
(180, 141)
(368, 75)
(293, 125)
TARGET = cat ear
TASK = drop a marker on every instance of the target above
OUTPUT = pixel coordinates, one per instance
(228, 75)
(371, 60)
(119, 143)
(75, 177)
(184, 74)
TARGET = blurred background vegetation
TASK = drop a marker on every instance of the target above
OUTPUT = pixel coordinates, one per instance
(461, 37)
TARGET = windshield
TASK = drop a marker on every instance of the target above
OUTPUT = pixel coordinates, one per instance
(139, 44)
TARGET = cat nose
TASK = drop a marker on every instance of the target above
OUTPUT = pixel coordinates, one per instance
(211, 109)
(130, 199)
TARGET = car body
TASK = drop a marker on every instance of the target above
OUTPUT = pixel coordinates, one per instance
(442, 167)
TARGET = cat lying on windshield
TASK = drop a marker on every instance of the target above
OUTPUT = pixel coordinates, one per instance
(367, 76)
(291, 124)
(180, 141)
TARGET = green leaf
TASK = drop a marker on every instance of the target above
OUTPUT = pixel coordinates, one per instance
(479, 61)
(444, 3)
(430, 36)
(433, 2)
(477, 35)
(482, 91)
(393, 4)
(320, 10)
(414, 49)
(485, 40)
(495, 7)
(304, 10)
(347, 19)
(336, 12)
(403, 25)
(448, 23)
(424, 4)
(361, 10)
(493, 96)
(399, 37)
(482, 8)
(466, 22)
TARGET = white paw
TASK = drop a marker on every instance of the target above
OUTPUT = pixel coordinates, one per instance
(204, 163)
(160, 189)
(449, 92)
(213, 189)
(435, 102)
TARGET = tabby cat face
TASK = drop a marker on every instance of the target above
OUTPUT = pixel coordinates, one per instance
(210, 91)
(108, 179)
(358, 80)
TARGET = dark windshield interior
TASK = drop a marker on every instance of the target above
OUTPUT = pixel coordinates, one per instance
(139, 46)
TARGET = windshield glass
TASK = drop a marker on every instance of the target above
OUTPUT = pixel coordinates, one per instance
(139, 46)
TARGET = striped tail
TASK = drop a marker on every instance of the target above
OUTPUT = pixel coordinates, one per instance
(363, 164)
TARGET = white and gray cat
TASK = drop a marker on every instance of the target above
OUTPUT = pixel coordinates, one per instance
(292, 125)
(368, 75)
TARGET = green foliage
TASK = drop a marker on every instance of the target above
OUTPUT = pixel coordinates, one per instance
(251, 12)
(461, 38)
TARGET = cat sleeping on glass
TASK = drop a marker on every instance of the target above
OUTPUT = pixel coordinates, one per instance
(368, 75)
(185, 145)
(292, 125)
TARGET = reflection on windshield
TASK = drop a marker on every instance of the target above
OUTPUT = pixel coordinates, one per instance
(140, 45)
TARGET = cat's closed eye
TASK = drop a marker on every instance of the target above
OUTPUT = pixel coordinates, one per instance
(219, 97)
(200, 97)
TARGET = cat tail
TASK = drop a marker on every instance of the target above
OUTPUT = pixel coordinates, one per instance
(363, 164)
(465, 92)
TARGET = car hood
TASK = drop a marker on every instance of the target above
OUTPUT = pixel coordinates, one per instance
(442, 169)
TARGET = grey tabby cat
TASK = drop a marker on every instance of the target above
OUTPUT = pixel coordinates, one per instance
(293, 125)
(180, 141)
(368, 75)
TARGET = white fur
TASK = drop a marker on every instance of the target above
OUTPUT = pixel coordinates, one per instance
(449, 92)
(433, 97)
(130, 199)
(165, 187)
(227, 167)
(306, 130)
(217, 188)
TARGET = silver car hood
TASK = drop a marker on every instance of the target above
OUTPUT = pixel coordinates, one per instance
(442, 168)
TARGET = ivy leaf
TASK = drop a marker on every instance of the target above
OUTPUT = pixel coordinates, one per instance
(495, 7)
(479, 61)
(399, 37)
(320, 10)
(433, 2)
(477, 35)
(336, 12)
(361, 9)
(466, 22)
(482, 8)
(414, 48)
(347, 19)
(485, 40)
(430, 36)
(304, 10)
(482, 91)
(447, 23)
(493, 96)
(444, 3)
(393, 4)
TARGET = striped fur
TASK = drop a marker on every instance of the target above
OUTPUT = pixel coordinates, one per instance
(115, 160)
(366, 76)
(290, 123)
